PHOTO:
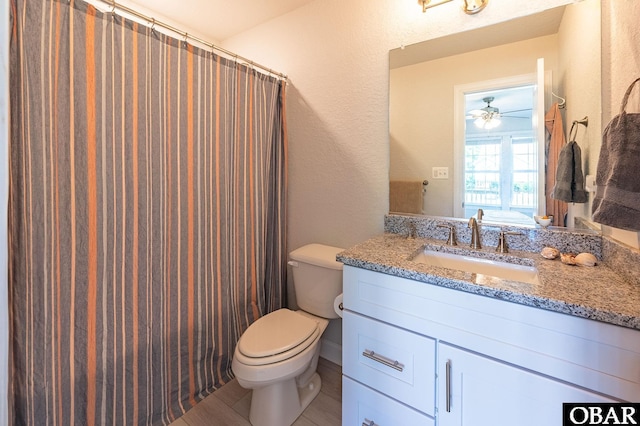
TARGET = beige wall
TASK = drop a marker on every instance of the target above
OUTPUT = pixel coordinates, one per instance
(422, 109)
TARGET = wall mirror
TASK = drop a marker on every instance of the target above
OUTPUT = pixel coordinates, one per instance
(440, 87)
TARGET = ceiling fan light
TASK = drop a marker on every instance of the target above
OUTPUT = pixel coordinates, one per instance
(492, 124)
(487, 123)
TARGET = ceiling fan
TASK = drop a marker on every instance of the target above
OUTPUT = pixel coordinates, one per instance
(489, 117)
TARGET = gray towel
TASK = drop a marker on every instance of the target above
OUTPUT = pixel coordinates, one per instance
(617, 200)
(569, 185)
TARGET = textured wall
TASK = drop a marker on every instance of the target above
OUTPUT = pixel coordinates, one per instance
(620, 66)
(336, 55)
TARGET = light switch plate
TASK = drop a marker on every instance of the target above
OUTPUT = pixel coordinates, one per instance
(440, 172)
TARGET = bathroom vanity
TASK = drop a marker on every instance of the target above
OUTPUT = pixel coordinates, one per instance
(429, 345)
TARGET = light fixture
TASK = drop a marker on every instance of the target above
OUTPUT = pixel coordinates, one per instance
(487, 123)
(428, 4)
(488, 117)
(469, 7)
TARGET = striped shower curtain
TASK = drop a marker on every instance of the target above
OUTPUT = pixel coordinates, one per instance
(147, 216)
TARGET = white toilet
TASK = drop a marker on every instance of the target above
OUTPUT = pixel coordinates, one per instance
(277, 355)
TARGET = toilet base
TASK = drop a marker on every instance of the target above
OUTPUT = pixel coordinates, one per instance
(287, 395)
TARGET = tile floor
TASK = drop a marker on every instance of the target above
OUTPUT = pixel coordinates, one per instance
(229, 405)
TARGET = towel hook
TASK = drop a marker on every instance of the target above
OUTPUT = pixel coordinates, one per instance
(562, 102)
(584, 122)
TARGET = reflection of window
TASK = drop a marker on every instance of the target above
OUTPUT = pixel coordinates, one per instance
(500, 173)
(524, 172)
(482, 171)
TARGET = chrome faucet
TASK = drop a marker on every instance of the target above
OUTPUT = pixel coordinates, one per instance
(475, 234)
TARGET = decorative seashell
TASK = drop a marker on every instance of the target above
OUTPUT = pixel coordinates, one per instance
(550, 253)
(586, 259)
(568, 258)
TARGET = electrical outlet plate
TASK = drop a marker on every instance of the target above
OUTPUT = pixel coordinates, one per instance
(440, 172)
(590, 183)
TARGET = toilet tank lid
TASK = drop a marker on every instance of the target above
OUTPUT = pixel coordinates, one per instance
(318, 255)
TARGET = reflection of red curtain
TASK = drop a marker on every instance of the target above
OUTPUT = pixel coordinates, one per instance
(147, 216)
(555, 141)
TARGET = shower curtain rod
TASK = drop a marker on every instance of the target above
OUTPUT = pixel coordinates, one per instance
(117, 6)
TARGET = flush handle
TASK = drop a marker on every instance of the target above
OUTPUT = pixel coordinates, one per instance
(368, 422)
(292, 263)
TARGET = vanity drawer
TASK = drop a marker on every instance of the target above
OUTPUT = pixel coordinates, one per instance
(362, 405)
(394, 361)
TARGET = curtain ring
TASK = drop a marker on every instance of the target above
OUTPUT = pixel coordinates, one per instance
(153, 25)
(184, 40)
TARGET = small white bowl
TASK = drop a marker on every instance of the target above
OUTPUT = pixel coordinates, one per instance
(543, 222)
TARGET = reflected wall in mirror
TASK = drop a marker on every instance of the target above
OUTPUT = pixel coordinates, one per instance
(423, 78)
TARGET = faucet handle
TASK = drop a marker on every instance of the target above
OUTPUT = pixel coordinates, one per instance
(502, 241)
(412, 230)
(451, 240)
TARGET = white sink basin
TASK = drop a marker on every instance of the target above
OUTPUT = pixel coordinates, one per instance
(494, 268)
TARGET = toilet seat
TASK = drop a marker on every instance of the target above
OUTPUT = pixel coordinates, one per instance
(277, 336)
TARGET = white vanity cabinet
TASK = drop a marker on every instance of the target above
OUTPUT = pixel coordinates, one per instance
(472, 360)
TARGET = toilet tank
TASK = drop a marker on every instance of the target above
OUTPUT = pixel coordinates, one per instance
(317, 278)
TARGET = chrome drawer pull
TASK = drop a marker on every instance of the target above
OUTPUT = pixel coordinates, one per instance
(448, 386)
(383, 360)
(368, 422)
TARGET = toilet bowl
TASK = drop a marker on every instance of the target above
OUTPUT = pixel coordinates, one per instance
(277, 355)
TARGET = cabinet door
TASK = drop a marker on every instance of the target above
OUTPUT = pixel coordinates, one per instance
(475, 390)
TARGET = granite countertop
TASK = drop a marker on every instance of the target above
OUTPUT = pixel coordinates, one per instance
(596, 293)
